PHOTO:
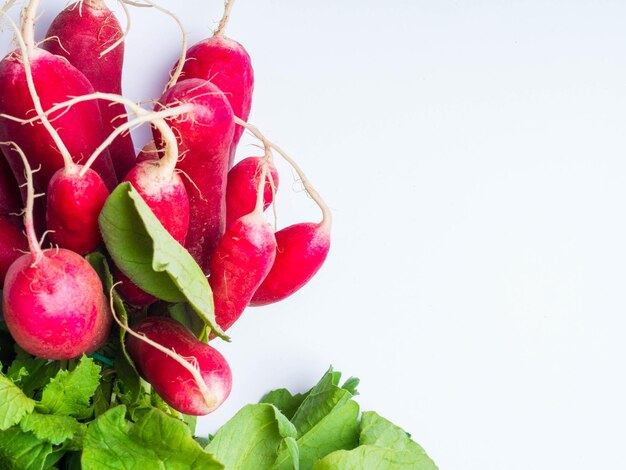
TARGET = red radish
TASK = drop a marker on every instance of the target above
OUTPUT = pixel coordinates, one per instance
(226, 64)
(241, 261)
(79, 129)
(204, 136)
(76, 193)
(10, 200)
(301, 250)
(74, 204)
(192, 377)
(155, 180)
(242, 186)
(12, 244)
(129, 290)
(53, 301)
(89, 36)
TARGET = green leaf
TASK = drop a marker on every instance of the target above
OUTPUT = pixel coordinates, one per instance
(157, 441)
(337, 430)
(69, 393)
(22, 450)
(13, 404)
(184, 314)
(55, 429)
(150, 256)
(284, 401)
(373, 457)
(320, 401)
(378, 431)
(30, 372)
(326, 420)
(252, 438)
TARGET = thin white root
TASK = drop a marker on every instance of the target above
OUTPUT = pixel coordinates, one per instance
(183, 53)
(33, 243)
(260, 194)
(121, 39)
(326, 213)
(191, 367)
(170, 158)
(5, 8)
(228, 5)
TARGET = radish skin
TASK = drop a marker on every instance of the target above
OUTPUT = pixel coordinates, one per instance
(204, 136)
(242, 186)
(83, 34)
(225, 63)
(74, 204)
(12, 245)
(55, 308)
(10, 199)
(52, 301)
(173, 382)
(241, 261)
(301, 250)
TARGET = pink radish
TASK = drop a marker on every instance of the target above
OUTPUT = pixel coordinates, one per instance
(192, 377)
(89, 36)
(204, 136)
(242, 187)
(241, 261)
(76, 193)
(301, 250)
(74, 204)
(53, 301)
(226, 64)
(10, 199)
(79, 129)
(12, 244)
(155, 180)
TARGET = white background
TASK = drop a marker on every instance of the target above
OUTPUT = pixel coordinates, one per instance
(474, 156)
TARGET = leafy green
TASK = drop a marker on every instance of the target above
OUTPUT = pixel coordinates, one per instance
(327, 420)
(252, 438)
(373, 457)
(284, 401)
(320, 401)
(22, 450)
(13, 404)
(69, 393)
(150, 256)
(155, 441)
(378, 431)
(55, 429)
(31, 373)
(337, 430)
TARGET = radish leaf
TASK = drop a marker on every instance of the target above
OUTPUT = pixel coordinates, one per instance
(150, 257)
(259, 431)
(69, 393)
(155, 441)
(13, 403)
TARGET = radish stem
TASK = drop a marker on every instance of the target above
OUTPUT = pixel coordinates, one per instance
(228, 5)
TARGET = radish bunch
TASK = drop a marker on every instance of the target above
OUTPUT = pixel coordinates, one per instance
(67, 158)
